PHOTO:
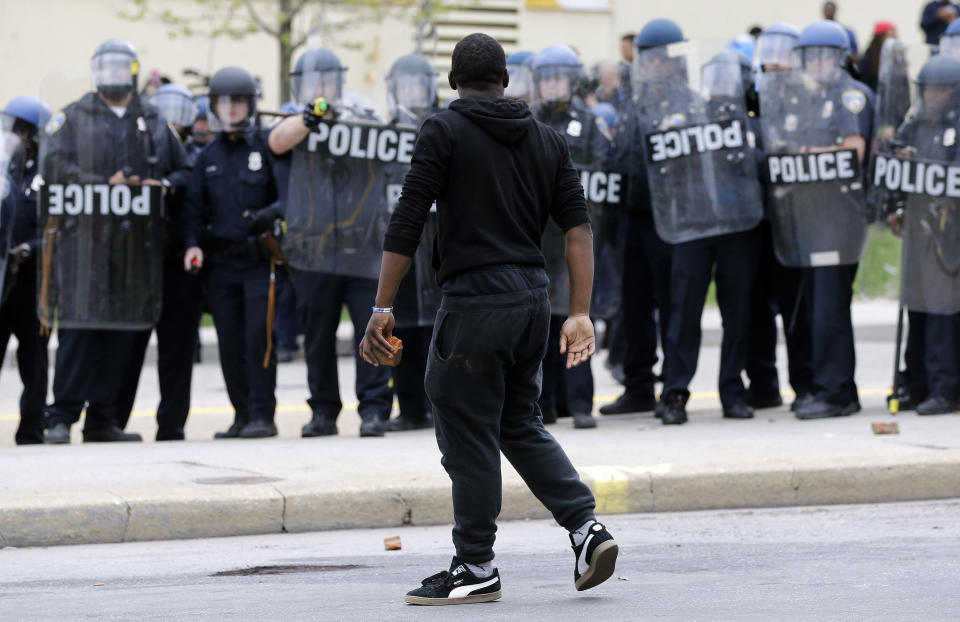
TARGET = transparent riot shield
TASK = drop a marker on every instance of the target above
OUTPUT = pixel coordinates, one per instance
(102, 241)
(10, 178)
(342, 180)
(893, 103)
(930, 266)
(815, 189)
(701, 157)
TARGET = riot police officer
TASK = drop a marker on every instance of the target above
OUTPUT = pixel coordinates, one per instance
(928, 224)
(777, 287)
(107, 137)
(411, 98)
(556, 71)
(200, 134)
(521, 76)
(317, 81)
(20, 245)
(646, 270)
(232, 210)
(820, 114)
(182, 294)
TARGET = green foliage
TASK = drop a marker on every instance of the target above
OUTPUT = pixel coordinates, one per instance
(879, 273)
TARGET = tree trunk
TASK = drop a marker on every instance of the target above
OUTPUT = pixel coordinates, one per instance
(286, 50)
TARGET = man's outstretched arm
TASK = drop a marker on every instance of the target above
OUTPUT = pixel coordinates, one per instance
(577, 339)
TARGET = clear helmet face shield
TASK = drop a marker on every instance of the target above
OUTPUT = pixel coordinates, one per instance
(521, 83)
(554, 84)
(950, 45)
(9, 141)
(112, 74)
(231, 113)
(721, 80)
(774, 52)
(938, 102)
(310, 85)
(176, 108)
(662, 67)
(411, 94)
(823, 64)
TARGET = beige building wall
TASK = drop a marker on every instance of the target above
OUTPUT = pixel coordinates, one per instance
(41, 37)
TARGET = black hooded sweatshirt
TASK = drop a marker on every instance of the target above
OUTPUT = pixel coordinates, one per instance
(496, 175)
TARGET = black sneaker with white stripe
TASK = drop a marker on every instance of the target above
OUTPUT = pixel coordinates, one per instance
(596, 558)
(459, 586)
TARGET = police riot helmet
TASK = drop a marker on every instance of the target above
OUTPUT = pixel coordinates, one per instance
(521, 76)
(228, 87)
(658, 58)
(114, 67)
(657, 33)
(950, 40)
(775, 47)
(822, 49)
(722, 75)
(175, 105)
(202, 103)
(318, 73)
(29, 110)
(938, 84)
(556, 71)
(411, 87)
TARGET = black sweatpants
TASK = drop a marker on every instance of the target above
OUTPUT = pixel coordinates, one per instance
(483, 378)
(18, 317)
(692, 268)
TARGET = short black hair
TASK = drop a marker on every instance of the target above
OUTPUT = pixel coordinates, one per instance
(478, 61)
(630, 36)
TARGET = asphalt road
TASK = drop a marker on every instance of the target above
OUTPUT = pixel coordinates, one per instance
(871, 562)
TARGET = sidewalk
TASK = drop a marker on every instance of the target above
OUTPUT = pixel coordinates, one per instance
(116, 493)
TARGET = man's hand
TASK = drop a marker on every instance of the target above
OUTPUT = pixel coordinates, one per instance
(120, 178)
(577, 340)
(21, 253)
(374, 347)
(193, 259)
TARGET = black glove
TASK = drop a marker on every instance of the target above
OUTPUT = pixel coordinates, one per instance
(262, 220)
(316, 112)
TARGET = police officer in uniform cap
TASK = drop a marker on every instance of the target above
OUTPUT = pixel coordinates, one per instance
(646, 270)
(22, 117)
(321, 295)
(231, 209)
(932, 378)
(411, 98)
(823, 53)
(556, 71)
(108, 136)
(182, 293)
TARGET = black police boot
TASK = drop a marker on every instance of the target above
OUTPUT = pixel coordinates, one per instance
(403, 423)
(819, 409)
(59, 434)
(320, 425)
(936, 406)
(627, 403)
(675, 412)
(738, 411)
(111, 434)
(582, 421)
(801, 400)
(258, 429)
(371, 426)
(170, 435)
(232, 432)
(763, 400)
(549, 414)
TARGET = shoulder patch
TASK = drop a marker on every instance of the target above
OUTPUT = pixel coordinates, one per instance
(55, 123)
(854, 100)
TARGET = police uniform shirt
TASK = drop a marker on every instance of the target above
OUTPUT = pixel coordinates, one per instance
(586, 134)
(230, 177)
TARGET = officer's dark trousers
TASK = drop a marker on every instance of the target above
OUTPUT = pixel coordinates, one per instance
(176, 345)
(931, 356)
(321, 297)
(834, 358)
(237, 295)
(408, 377)
(483, 379)
(89, 369)
(18, 317)
(287, 325)
(776, 290)
(569, 391)
(646, 287)
(735, 257)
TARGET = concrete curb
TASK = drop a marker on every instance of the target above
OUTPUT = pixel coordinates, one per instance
(280, 506)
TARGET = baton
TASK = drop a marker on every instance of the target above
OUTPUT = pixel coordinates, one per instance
(893, 403)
